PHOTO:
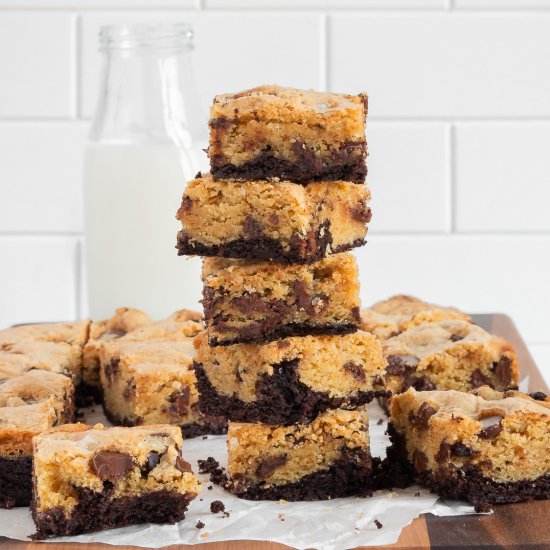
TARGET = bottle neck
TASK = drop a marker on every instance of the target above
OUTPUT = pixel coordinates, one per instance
(147, 93)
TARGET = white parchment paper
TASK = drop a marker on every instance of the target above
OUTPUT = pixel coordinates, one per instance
(329, 525)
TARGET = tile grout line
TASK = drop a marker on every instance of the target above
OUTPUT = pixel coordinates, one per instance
(451, 184)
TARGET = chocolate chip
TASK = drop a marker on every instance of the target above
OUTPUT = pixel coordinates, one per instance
(503, 370)
(217, 506)
(422, 417)
(420, 460)
(398, 364)
(112, 368)
(303, 299)
(538, 396)
(199, 524)
(356, 314)
(114, 333)
(186, 204)
(478, 379)
(111, 465)
(456, 337)
(198, 175)
(269, 465)
(220, 123)
(490, 432)
(179, 402)
(250, 303)
(182, 465)
(378, 524)
(361, 213)
(444, 452)
(282, 344)
(459, 449)
(356, 370)
(423, 383)
(153, 458)
(252, 228)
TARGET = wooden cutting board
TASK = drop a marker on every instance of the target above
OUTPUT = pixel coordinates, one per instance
(511, 526)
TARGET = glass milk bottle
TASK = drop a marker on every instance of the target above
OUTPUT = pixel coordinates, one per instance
(146, 141)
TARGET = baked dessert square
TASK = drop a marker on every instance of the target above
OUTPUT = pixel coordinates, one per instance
(30, 403)
(327, 458)
(486, 447)
(449, 355)
(289, 381)
(121, 323)
(91, 478)
(153, 382)
(298, 135)
(75, 333)
(255, 302)
(401, 312)
(267, 220)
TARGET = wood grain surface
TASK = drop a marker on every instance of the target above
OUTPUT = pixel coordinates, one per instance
(512, 526)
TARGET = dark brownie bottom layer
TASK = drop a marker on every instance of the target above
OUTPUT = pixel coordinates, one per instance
(351, 475)
(280, 398)
(345, 164)
(466, 483)
(213, 425)
(96, 511)
(300, 251)
(15, 481)
(267, 331)
(87, 395)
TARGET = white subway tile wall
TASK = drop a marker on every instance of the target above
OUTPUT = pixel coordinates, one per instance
(459, 136)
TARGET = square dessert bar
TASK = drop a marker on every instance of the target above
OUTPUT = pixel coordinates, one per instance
(449, 355)
(273, 132)
(123, 321)
(256, 302)
(266, 220)
(486, 447)
(398, 313)
(74, 334)
(152, 382)
(327, 458)
(90, 478)
(30, 403)
(289, 381)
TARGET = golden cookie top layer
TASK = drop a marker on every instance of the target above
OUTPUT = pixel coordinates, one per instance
(289, 105)
(400, 312)
(71, 333)
(75, 440)
(173, 329)
(123, 321)
(425, 341)
(479, 404)
(32, 387)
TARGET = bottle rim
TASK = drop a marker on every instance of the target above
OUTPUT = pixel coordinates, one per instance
(135, 36)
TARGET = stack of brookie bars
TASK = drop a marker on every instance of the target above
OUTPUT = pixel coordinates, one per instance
(284, 354)
(283, 357)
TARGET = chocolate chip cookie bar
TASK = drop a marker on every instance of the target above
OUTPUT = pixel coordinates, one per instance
(30, 403)
(152, 381)
(449, 355)
(266, 220)
(91, 478)
(289, 381)
(327, 458)
(74, 334)
(255, 302)
(124, 320)
(297, 135)
(486, 447)
(398, 313)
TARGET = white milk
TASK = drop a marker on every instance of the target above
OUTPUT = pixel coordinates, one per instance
(132, 193)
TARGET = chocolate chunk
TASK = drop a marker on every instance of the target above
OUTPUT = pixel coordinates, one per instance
(182, 465)
(398, 364)
(179, 402)
(459, 449)
(269, 465)
(378, 524)
(153, 458)
(111, 465)
(423, 383)
(538, 396)
(303, 299)
(113, 334)
(503, 370)
(199, 525)
(456, 337)
(478, 379)
(425, 412)
(250, 303)
(490, 432)
(361, 213)
(186, 204)
(282, 344)
(356, 314)
(420, 460)
(112, 368)
(198, 175)
(444, 452)
(217, 506)
(220, 123)
(252, 228)
(485, 464)
(356, 371)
